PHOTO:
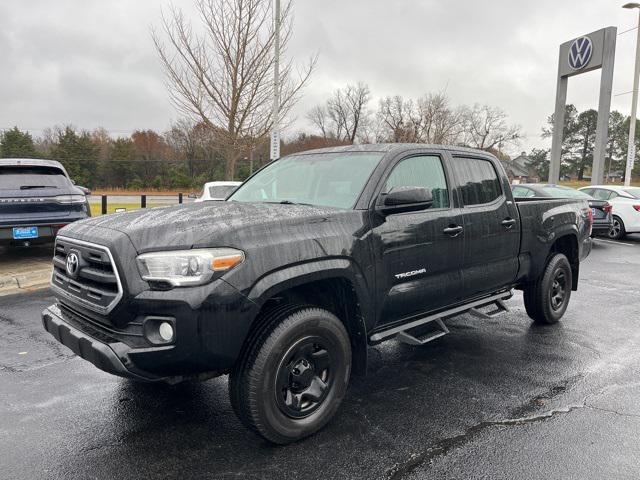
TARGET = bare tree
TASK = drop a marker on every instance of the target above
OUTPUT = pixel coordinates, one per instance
(397, 119)
(486, 127)
(439, 122)
(345, 113)
(223, 76)
(319, 118)
(429, 120)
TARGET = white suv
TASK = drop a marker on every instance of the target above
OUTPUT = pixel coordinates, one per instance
(626, 207)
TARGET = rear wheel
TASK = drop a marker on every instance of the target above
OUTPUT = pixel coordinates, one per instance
(617, 230)
(291, 381)
(547, 299)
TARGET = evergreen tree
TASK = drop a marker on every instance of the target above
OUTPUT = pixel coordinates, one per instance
(17, 144)
(539, 161)
(79, 156)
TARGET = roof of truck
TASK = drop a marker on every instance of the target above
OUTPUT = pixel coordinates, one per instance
(389, 147)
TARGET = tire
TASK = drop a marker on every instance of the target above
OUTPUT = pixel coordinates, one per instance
(546, 300)
(291, 379)
(617, 230)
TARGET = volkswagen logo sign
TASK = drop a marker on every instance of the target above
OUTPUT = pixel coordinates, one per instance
(580, 53)
(72, 264)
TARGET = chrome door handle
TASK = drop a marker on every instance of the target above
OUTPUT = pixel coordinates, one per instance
(508, 222)
(453, 230)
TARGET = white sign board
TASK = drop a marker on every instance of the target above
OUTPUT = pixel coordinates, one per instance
(631, 156)
(275, 145)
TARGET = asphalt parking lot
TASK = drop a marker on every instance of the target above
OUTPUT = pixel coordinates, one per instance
(496, 398)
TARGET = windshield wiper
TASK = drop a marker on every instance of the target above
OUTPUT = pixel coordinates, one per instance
(289, 202)
(29, 187)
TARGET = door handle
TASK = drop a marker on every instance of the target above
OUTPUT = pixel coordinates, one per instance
(453, 230)
(508, 222)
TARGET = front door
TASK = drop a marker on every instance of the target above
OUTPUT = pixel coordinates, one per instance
(420, 255)
(491, 227)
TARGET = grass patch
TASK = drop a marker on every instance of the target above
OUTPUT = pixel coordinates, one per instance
(96, 208)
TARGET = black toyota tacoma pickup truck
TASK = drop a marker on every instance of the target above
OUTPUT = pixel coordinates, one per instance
(315, 257)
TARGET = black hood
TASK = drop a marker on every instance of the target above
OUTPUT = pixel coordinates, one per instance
(203, 224)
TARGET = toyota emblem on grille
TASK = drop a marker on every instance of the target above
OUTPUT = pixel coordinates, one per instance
(72, 264)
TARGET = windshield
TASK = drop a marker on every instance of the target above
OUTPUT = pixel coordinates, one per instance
(221, 191)
(565, 192)
(31, 177)
(635, 191)
(327, 179)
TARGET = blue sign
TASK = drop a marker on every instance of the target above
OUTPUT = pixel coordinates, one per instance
(22, 233)
(580, 53)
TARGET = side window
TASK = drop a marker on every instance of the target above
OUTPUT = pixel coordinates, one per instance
(601, 194)
(588, 191)
(422, 171)
(613, 195)
(479, 182)
(522, 192)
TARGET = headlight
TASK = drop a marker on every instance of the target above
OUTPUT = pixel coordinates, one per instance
(183, 268)
(68, 199)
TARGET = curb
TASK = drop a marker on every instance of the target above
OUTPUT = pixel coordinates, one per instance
(36, 279)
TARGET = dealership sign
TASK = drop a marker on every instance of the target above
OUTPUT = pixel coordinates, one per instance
(582, 54)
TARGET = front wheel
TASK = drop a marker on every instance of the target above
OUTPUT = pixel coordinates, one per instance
(547, 299)
(291, 381)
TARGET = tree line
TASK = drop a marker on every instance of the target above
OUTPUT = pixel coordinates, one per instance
(579, 133)
(189, 153)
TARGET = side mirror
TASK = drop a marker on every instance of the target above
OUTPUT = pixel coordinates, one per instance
(85, 190)
(404, 199)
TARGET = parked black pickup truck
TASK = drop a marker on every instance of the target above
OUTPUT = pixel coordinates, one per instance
(314, 258)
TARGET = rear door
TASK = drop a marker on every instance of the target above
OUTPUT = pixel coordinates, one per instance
(420, 260)
(491, 225)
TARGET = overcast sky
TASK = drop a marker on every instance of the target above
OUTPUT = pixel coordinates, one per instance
(92, 63)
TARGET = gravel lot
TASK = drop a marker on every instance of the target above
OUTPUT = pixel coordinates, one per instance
(494, 399)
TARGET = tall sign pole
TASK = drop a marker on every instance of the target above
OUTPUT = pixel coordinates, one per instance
(631, 149)
(584, 54)
(275, 129)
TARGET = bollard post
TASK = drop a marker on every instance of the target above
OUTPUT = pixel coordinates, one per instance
(104, 204)
(180, 198)
(143, 201)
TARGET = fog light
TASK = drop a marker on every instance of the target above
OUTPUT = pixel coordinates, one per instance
(166, 331)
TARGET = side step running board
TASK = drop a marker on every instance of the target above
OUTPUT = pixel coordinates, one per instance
(500, 307)
(414, 337)
(410, 333)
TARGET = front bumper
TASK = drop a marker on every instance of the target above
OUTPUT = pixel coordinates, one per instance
(111, 357)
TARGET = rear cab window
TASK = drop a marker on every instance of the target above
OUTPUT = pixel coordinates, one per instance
(479, 182)
(523, 192)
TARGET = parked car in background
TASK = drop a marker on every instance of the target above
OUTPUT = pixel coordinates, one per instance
(601, 209)
(37, 198)
(626, 207)
(217, 191)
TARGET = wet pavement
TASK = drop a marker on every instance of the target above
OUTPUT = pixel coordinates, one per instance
(496, 398)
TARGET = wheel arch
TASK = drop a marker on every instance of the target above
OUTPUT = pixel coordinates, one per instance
(568, 246)
(333, 284)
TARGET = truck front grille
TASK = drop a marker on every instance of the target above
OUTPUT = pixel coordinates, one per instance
(85, 274)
